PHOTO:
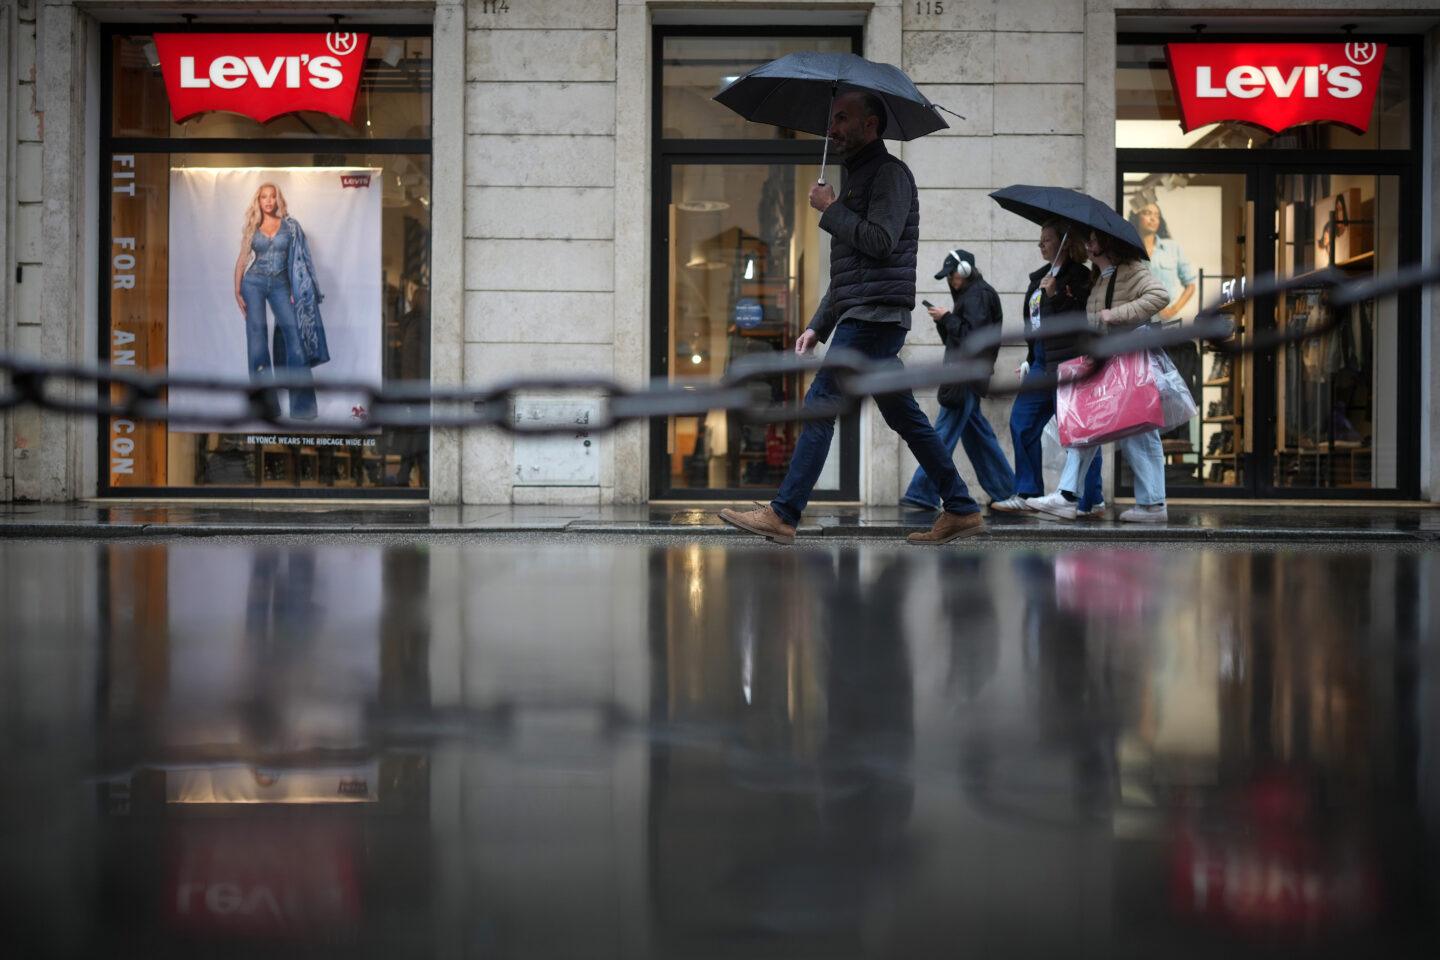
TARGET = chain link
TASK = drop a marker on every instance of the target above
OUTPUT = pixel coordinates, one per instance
(604, 403)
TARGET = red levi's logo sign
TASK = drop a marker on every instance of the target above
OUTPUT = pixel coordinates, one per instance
(262, 75)
(1276, 85)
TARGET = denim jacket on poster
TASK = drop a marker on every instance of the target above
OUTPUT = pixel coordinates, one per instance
(306, 291)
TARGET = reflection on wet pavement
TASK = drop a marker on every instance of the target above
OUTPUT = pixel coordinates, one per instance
(579, 749)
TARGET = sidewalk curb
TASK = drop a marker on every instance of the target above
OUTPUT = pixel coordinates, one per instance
(1088, 534)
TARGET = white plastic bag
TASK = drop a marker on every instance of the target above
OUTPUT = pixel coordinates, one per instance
(1052, 455)
(1176, 403)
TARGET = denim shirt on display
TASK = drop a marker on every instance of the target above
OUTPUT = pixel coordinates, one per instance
(272, 254)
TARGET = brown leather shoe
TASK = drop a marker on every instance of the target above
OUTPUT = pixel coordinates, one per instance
(950, 526)
(763, 522)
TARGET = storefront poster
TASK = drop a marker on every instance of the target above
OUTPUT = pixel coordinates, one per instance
(338, 211)
(1188, 238)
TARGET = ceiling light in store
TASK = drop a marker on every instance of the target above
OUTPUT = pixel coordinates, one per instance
(702, 206)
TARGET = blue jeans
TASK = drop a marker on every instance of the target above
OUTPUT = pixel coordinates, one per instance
(882, 342)
(258, 289)
(967, 425)
(1144, 454)
(1027, 426)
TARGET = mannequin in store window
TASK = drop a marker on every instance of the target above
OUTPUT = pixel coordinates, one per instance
(275, 269)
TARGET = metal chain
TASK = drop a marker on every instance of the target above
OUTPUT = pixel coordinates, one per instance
(242, 404)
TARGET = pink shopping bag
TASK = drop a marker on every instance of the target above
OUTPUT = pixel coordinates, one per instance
(1119, 401)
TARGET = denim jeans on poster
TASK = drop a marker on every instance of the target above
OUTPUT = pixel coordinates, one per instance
(882, 342)
(968, 426)
(259, 289)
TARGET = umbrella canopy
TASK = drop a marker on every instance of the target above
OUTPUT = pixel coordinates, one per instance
(796, 91)
(1039, 204)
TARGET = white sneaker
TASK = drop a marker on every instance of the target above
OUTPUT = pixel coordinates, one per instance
(1096, 512)
(1010, 505)
(1146, 513)
(1052, 507)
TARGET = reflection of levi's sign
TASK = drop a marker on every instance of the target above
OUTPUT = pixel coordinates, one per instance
(262, 75)
(1276, 85)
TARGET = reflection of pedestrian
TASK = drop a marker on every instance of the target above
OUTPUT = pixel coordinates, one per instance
(876, 235)
(274, 268)
(1060, 287)
(1167, 260)
(976, 307)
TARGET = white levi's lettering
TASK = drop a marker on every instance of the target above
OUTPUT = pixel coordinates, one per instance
(1246, 83)
(1283, 86)
(265, 79)
(1345, 82)
(1204, 87)
(228, 72)
(187, 75)
(325, 73)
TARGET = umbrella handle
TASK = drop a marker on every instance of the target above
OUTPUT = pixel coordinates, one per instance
(825, 154)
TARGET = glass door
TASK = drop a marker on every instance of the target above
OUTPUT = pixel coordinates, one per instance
(747, 266)
(1336, 425)
(738, 265)
(1196, 227)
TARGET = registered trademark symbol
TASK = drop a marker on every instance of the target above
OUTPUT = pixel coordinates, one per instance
(1361, 53)
(342, 44)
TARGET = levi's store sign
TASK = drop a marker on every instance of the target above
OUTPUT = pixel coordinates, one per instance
(1276, 85)
(262, 75)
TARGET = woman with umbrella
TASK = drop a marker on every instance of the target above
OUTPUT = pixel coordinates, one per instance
(1058, 289)
(1124, 295)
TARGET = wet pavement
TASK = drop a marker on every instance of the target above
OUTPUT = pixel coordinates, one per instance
(1189, 521)
(559, 746)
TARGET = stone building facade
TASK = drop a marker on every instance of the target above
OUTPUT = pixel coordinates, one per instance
(543, 181)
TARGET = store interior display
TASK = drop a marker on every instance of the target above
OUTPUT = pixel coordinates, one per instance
(1326, 384)
(744, 284)
(390, 325)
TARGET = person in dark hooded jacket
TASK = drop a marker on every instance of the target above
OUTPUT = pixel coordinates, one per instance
(976, 307)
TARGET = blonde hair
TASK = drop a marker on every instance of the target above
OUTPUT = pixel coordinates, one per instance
(254, 216)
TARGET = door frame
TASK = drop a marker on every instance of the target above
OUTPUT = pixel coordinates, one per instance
(666, 153)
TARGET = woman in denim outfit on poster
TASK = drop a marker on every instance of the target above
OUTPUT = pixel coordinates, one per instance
(275, 268)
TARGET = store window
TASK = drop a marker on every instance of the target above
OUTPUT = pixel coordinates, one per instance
(242, 249)
(741, 266)
(1319, 203)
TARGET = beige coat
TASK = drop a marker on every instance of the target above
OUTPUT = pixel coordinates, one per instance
(1139, 295)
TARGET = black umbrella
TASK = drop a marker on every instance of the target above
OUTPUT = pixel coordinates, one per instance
(797, 91)
(1039, 204)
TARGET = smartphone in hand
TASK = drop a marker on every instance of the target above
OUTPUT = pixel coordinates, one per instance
(927, 303)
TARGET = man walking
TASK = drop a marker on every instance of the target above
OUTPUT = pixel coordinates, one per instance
(976, 307)
(875, 234)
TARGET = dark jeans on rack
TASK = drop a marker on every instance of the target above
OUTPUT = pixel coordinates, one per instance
(882, 342)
